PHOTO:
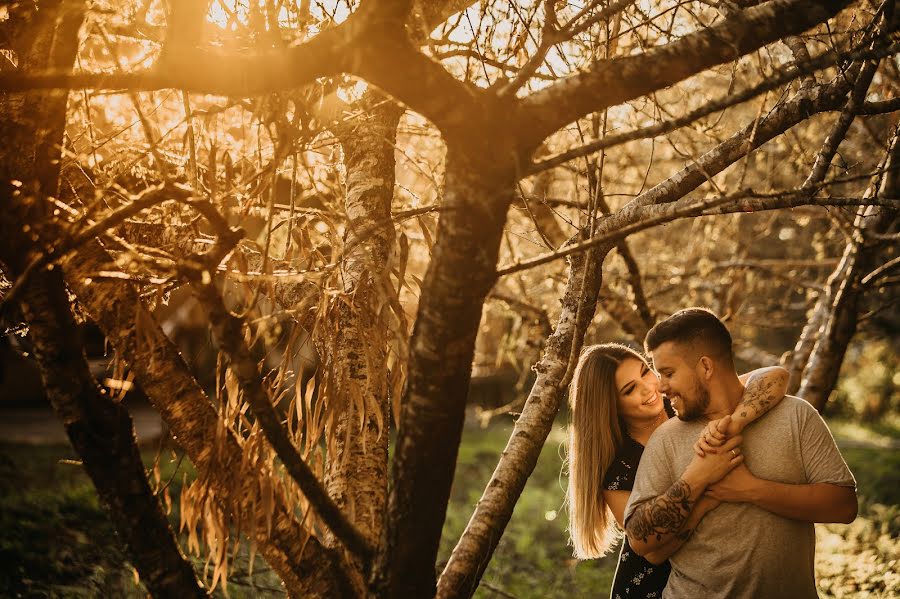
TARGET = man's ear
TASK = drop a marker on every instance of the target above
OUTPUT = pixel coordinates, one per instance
(705, 367)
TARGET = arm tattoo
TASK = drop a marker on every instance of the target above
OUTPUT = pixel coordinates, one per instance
(758, 397)
(662, 516)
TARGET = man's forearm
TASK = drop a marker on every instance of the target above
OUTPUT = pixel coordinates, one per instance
(656, 522)
(664, 552)
(819, 502)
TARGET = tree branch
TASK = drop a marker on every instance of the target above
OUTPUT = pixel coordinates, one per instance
(655, 215)
(772, 82)
(473, 552)
(611, 82)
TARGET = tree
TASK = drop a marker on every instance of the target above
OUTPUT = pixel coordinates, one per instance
(127, 232)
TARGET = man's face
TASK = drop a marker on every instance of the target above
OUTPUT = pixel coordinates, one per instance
(679, 381)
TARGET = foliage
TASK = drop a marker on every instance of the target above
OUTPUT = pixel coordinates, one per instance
(869, 386)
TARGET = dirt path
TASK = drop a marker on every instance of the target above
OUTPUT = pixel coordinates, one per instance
(40, 426)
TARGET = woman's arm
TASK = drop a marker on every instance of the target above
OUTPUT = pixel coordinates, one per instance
(764, 388)
(617, 500)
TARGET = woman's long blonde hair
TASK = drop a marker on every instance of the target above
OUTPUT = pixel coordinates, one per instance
(595, 434)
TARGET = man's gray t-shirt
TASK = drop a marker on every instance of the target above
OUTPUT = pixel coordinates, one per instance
(738, 549)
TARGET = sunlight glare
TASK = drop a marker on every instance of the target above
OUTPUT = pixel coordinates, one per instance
(237, 12)
(352, 93)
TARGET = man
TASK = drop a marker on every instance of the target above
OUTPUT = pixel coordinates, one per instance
(760, 541)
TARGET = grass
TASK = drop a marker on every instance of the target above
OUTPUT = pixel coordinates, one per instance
(532, 555)
(56, 541)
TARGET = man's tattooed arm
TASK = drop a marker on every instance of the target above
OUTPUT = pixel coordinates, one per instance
(658, 521)
(705, 505)
(764, 389)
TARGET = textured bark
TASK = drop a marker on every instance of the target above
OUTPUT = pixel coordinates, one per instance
(820, 313)
(356, 466)
(33, 134)
(459, 276)
(163, 375)
(473, 552)
(799, 356)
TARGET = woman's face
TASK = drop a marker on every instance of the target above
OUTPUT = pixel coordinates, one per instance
(638, 391)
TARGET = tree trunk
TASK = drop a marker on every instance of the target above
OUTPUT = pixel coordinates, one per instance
(473, 552)
(102, 433)
(459, 276)
(32, 127)
(838, 307)
(100, 430)
(353, 342)
(161, 372)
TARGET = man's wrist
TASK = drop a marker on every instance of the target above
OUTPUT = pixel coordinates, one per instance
(696, 483)
(754, 491)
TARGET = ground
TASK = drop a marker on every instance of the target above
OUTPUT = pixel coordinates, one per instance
(56, 541)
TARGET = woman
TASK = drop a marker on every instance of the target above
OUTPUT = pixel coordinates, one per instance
(616, 405)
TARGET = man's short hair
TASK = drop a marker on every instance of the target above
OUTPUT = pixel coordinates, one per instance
(697, 327)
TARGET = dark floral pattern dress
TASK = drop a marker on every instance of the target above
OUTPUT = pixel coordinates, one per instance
(635, 576)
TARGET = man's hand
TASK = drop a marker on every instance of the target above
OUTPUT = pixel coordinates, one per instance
(706, 470)
(735, 487)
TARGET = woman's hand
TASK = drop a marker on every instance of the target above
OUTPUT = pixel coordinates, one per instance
(735, 487)
(715, 434)
(712, 467)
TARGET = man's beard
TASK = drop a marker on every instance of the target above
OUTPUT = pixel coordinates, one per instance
(695, 409)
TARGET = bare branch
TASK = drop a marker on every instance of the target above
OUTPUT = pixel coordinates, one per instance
(653, 216)
(772, 82)
(611, 82)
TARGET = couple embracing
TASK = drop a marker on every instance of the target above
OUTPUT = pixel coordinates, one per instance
(719, 501)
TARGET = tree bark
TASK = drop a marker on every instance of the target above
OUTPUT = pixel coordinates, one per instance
(32, 127)
(102, 433)
(460, 274)
(473, 552)
(837, 310)
(354, 345)
(161, 372)
(100, 430)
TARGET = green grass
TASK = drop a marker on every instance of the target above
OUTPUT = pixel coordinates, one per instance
(56, 541)
(532, 556)
(54, 537)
